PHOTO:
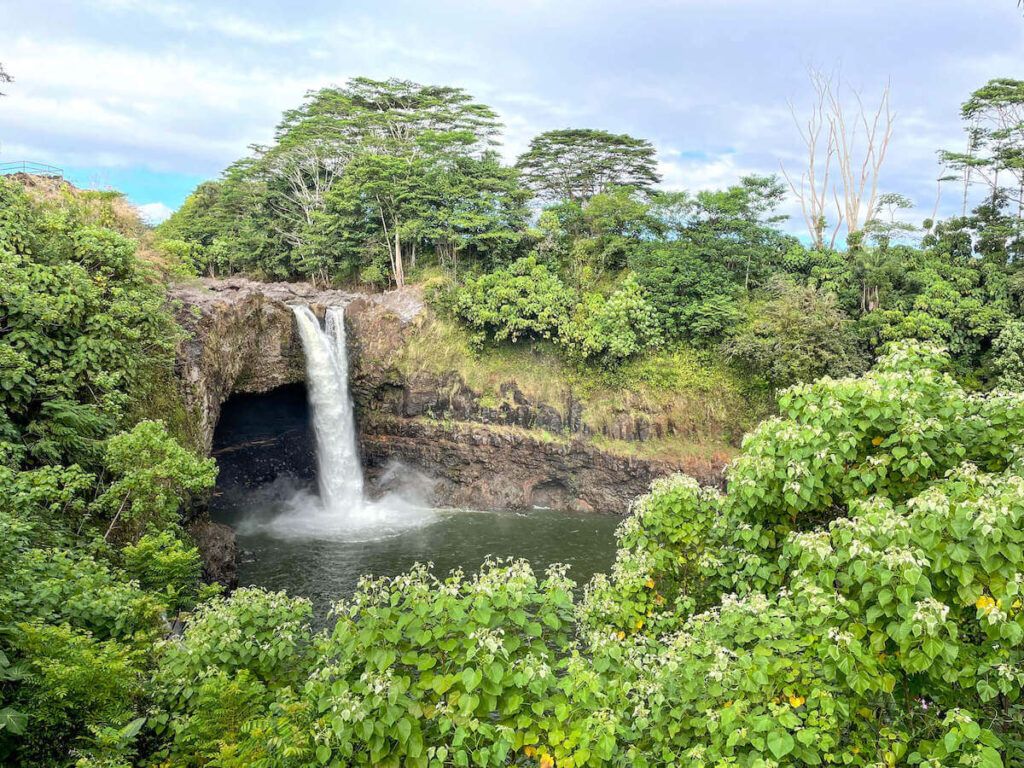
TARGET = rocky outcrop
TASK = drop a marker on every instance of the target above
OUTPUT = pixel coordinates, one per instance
(511, 453)
(216, 544)
(447, 397)
(506, 468)
(241, 337)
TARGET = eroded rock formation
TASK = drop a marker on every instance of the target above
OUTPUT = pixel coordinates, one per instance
(516, 453)
(242, 337)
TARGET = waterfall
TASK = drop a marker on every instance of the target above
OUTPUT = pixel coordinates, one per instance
(340, 474)
(342, 510)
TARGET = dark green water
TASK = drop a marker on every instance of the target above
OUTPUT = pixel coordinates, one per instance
(266, 491)
(325, 570)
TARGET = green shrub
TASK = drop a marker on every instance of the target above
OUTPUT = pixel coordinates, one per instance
(153, 478)
(163, 564)
(457, 671)
(613, 329)
(1008, 358)
(523, 300)
(798, 335)
(70, 684)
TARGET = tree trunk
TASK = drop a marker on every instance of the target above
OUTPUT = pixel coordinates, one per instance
(397, 260)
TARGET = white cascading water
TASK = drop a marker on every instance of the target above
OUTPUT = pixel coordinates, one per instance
(340, 474)
(341, 510)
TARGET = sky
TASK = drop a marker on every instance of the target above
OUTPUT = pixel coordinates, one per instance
(152, 97)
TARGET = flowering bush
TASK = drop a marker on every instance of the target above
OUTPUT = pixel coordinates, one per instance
(854, 599)
(456, 671)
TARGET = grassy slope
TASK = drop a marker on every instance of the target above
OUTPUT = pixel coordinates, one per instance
(704, 401)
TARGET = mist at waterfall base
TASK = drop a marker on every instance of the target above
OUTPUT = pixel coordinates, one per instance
(292, 486)
(340, 510)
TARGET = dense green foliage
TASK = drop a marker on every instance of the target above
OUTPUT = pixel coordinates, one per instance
(577, 164)
(360, 181)
(854, 597)
(380, 178)
(85, 340)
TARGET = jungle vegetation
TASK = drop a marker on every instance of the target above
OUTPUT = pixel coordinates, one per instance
(854, 596)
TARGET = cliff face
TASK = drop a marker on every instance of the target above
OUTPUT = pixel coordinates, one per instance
(486, 467)
(516, 453)
(242, 337)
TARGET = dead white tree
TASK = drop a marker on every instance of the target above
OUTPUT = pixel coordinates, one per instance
(850, 142)
(819, 142)
(860, 167)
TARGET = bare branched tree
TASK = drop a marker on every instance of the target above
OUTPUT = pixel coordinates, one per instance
(860, 174)
(819, 142)
(855, 140)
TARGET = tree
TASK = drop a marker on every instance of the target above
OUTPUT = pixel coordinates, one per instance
(473, 205)
(523, 300)
(832, 135)
(366, 154)
(738, 225)
(995, 129)
(576, 164)
(382, 136)
(693, 292)
(796, 336)
(4, 78)
(612, 329)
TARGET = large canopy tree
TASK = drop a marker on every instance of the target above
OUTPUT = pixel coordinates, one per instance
(994, 115)
(371, 168)
(577, 163)
(387, 132)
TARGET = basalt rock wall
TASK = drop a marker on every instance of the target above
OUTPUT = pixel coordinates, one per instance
(242, 338)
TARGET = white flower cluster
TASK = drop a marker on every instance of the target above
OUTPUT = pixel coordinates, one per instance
(900, 558)
(816, 543)
(722, 661)
(930, 614)
(532, 667)
(988, 516)
(377, 683)
(840, 637)
(932, 502)
(1011, 673)
(491, 640)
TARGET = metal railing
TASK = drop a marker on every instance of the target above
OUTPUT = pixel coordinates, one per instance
(34, 169)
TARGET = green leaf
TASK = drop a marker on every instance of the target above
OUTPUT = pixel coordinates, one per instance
(13, 721)
(780, 743)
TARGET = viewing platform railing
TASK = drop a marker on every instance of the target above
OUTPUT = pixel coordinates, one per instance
(34, 169)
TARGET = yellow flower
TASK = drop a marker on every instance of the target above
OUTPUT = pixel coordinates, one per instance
(796, 701)
(985, 603)
(547, 761)
(876, 441)
(529, 751)
(649, 583)
(621, 635)
(639, 624)
(660, 600)
(728, 703)
(1017, 605)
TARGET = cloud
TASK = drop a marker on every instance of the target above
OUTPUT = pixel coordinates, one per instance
(155, 213)
(181, 88)
(214, 21)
